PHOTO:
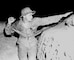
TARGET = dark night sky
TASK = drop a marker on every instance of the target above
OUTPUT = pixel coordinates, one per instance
(42, 8)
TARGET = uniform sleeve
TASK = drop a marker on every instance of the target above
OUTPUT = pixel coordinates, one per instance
(8, 30)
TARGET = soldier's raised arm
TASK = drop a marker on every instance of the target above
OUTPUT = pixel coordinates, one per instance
(8, 27)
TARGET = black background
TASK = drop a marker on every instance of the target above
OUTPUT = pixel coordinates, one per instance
(43, 8)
